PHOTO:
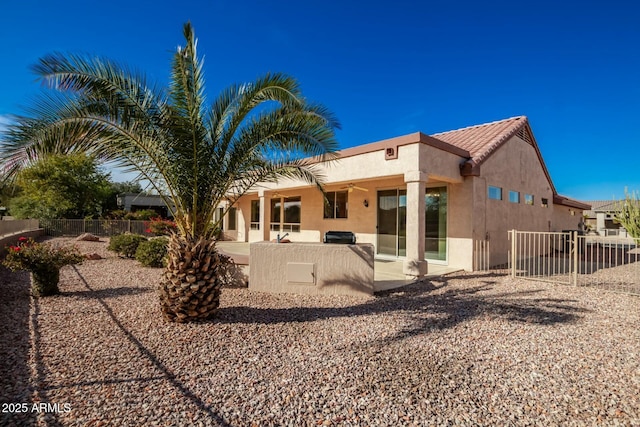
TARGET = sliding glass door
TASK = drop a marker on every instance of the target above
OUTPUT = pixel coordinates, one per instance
(435, 243)
(392, 222)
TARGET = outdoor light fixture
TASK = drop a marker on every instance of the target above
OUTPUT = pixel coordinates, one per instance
(365, 203)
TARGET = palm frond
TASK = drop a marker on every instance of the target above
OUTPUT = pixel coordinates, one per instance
(196, 156)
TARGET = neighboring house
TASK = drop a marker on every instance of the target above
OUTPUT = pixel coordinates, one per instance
(601, 217)
(419, 198)
(132, 202)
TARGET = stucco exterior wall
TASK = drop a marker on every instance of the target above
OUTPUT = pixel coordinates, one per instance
(566, 218)
(471, 215)
(461, 219)
(439, 165)
(312, 268)
(515, 167)
(360, 219)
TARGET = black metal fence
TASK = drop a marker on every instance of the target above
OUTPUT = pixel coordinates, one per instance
(98, 227)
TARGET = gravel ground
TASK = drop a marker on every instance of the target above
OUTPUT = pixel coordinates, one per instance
(468, 349)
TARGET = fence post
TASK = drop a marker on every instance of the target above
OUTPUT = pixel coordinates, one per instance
(512, 235)
(574, 277)
(129, 225)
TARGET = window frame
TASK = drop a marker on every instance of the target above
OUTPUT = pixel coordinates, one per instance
(254, 221)
(280, 224)
(517, 196)
(491, 194)
(232, 216)
(333, 207)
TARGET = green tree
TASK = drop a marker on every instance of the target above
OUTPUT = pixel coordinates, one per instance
(60, 186)
(629, 214)
(196, 154)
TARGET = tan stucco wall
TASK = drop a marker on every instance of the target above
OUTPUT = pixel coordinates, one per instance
(566, 218)
(460, 227)
(360, 219)
(471, 215)
(515, 166)
(312, 268)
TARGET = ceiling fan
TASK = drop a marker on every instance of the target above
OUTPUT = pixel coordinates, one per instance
(352, 187)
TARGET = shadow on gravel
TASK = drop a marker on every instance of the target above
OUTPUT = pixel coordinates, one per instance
(167, 374)
(107, 293)
(14, 347)
(430, 307)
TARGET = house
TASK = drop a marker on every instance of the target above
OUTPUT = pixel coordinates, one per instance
(132, 202)
(601, 218)
(419, 198)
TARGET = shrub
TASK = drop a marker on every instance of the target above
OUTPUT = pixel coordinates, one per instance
(117, 214)
(161, 227)
(126, 245)
(43, 261)
(153, 253)
(32, 256)
(141, 215)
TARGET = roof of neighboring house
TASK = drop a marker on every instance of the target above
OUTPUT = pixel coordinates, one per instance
(606, 206)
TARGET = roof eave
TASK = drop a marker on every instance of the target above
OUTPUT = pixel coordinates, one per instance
(565, 201)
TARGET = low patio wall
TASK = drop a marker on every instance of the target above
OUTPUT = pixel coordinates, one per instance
(12, 226)
(312, 268)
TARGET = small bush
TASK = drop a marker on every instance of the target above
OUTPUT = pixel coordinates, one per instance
(161, 227)
(141, 215)
(126, 244)
(117, 214)
(152, 253)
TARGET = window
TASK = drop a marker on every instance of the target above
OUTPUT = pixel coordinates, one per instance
(219, 216)
(232, 219)
(285, 214)
(292, 210)
(255, 214)
(495, 193)
(336, 205)
(528, 199)
(514, 196)
(545, 202)
(275, 214)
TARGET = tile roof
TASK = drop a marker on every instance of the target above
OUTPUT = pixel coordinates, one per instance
(481, 140)
(602, 205)
(607, 205)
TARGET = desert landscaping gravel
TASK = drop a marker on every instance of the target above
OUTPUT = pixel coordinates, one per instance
(464, 349)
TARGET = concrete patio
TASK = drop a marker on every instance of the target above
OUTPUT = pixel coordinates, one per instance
(387, 273)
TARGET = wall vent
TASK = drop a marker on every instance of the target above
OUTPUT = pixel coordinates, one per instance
(524, 135)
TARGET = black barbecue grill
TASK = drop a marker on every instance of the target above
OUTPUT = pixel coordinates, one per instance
(342, 237)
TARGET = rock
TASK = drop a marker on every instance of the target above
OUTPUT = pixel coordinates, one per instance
(88, 237)
(92, 256)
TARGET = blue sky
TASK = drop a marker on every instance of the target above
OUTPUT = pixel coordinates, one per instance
(385, 68)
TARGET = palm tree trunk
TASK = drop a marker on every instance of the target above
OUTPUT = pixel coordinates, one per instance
(191, 284)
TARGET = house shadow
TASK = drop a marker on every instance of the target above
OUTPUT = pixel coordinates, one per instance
(107, 293)
(15, 345)
(430, 305)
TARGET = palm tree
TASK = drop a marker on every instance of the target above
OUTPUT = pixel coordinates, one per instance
(196, 155)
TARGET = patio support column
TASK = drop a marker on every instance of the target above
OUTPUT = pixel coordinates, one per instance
(264, 216)
(415, 265)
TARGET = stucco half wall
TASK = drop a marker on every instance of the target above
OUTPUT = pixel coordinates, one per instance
(312, 268)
